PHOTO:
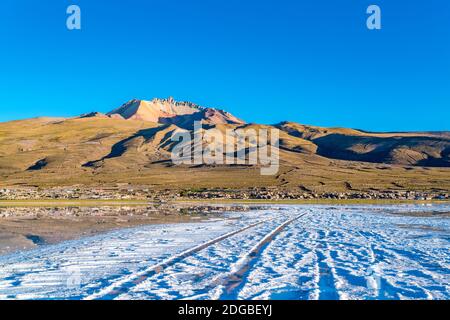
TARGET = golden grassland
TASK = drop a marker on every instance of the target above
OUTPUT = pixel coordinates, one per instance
(67, 144)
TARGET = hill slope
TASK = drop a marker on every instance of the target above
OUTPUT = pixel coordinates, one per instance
(132, 145)
(415, 148)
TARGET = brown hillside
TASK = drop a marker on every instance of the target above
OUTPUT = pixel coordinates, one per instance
(126, 147)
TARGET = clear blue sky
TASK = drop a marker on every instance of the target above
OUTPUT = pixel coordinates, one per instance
(311, 61)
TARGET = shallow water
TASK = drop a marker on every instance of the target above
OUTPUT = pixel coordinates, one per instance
(280, 252)
(37, 240)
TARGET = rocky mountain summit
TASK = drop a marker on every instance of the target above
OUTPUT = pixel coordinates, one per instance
(169, 111)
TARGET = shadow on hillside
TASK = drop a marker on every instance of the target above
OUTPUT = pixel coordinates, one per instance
(121, 147)
(40, 164)
(337, 146)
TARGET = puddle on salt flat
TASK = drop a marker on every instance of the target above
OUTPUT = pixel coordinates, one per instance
(37, 240)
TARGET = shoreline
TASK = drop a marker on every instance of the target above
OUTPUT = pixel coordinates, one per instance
(136, 203)
(26, 225)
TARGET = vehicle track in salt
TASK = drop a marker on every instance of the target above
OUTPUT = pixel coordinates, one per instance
(123, 286)
(232, 282)
(126, 287)
(334, 252)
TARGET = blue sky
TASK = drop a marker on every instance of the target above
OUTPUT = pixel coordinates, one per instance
(313, 61)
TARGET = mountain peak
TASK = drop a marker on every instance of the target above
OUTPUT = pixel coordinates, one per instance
(170, 111)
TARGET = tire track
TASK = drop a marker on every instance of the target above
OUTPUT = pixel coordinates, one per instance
(327, 281)
(124, 285)
(233, 281)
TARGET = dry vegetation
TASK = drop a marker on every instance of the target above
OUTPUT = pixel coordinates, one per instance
(54, 152)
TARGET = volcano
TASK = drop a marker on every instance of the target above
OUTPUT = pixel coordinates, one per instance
(169, 111)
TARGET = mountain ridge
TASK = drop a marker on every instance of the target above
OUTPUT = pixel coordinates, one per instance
(98, 148)
(165, 111)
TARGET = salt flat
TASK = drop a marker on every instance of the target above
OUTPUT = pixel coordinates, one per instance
(279, 252)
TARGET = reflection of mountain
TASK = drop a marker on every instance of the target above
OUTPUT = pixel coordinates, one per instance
(132, 144)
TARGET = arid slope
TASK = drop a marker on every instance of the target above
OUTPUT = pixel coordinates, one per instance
(107, 151)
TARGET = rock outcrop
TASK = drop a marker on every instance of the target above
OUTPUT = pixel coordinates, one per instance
(169, 111)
